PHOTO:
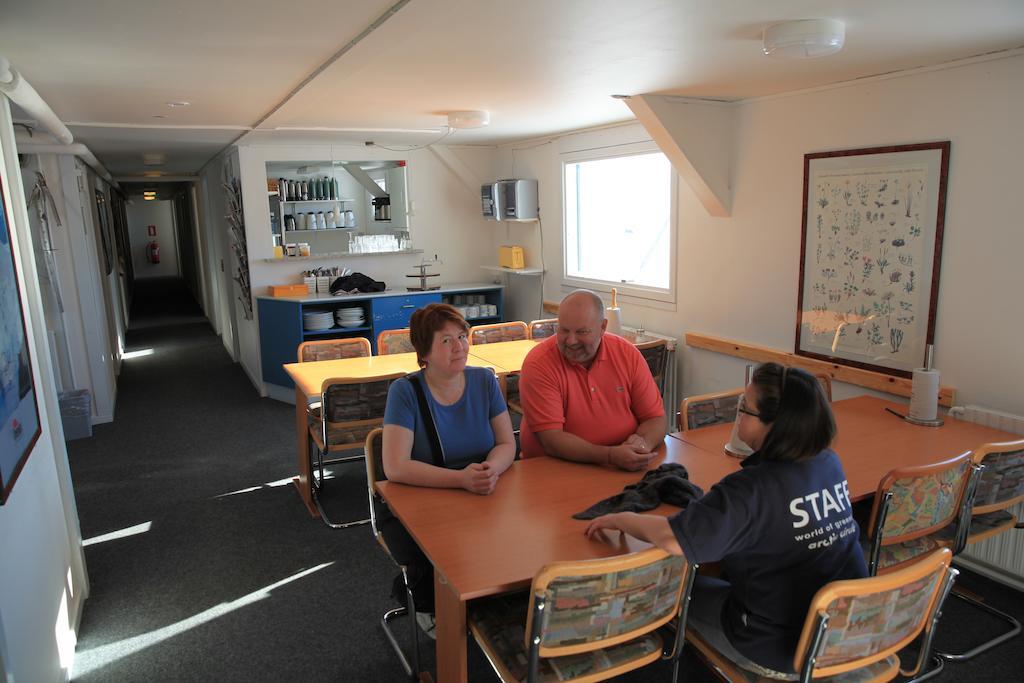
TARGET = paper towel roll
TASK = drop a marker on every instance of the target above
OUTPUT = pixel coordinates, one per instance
(614, 317)
(924, 395)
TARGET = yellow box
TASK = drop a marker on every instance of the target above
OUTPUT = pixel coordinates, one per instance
(287, 290)
(511, 257)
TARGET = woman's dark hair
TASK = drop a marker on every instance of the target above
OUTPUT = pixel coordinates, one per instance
(793, 403)
(428, 320)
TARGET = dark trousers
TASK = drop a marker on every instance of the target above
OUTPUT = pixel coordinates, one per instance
(405, 551)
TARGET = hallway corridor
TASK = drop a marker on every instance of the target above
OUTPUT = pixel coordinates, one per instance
(224, 576)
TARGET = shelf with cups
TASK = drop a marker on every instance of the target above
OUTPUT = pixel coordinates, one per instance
(515, 271)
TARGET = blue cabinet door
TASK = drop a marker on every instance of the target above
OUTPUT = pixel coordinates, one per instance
(393, 312)
(280, 336)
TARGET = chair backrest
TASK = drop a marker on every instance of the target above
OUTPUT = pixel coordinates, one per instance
(592, 604)
(334, 349)
(498, 332)
(543, 328)
(914, 502)
(374, 449)
(709, 409)
(1001, 482)
(825, 380)
(394, 341)
(352, 408)
(656, 354)
(853, 624)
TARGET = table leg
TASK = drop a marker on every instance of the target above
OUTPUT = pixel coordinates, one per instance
(451, 632)
(302, 482)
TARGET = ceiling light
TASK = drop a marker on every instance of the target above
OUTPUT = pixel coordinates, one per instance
(149, 198)
(153, 159)
(804, 39)
(468, 119)
(177, 103)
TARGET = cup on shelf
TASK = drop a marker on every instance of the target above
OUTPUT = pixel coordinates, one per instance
(291, 249)
(472, 311)
(304, 249)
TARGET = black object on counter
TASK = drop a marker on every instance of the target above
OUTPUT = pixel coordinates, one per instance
(356, 282)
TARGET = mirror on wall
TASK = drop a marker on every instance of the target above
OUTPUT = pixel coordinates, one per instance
(338, 207)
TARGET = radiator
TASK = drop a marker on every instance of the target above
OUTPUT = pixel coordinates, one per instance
(1002, 554)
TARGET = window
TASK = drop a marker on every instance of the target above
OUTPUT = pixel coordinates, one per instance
(619, 226)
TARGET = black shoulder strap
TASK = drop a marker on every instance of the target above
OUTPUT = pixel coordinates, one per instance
(428, 421)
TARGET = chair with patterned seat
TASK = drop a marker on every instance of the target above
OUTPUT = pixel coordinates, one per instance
(502, 332)
(587, 620)
(498, 332)
(656, 354)
(708, 409)
(825, 380)
(394, 341)
(855, 628)
(916, 510)
(374, 448)
(543, 328)
(334, 349)
(1000, 486)
(351, 409)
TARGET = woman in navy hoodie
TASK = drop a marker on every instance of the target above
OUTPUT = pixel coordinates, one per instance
(781, 527)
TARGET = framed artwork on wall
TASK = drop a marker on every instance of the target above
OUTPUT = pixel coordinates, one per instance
(19, 413)
(870, 252)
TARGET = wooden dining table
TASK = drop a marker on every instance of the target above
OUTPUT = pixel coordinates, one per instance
(870, 441)
(487, 545)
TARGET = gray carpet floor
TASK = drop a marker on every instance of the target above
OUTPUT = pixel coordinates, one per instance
(226, 577)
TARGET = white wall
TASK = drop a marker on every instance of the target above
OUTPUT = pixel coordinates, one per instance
(142, 214)
(44, 581)
(737, 276)
(443, 187)
(216, 256)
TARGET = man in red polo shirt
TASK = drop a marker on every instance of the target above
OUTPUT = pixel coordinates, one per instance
(588, 396)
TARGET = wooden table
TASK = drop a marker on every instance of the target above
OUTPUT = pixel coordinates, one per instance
(871, 441)
(309, 378)
(485, 545)
(506, 356)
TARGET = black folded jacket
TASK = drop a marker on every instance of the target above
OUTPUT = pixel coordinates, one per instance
(667, 484)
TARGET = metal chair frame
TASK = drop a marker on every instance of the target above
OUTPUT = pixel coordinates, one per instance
(411, 668)
(382, 347)
(317, 476)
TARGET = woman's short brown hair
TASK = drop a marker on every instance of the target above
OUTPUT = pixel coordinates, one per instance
(428, 320)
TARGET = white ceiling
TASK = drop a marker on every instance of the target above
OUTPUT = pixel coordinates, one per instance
(108, 67)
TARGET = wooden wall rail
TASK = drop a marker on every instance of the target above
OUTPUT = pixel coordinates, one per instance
(551, 307)
(842, 373)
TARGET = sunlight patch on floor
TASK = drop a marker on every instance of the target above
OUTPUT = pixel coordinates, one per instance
(98, 657)
(120, 533)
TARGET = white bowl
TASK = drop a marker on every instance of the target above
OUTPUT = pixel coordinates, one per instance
(351, 323)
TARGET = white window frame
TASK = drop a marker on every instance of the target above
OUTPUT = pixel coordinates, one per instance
(644, 294)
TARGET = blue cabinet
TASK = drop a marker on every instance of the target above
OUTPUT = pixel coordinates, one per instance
(393, 312)
(281, 328)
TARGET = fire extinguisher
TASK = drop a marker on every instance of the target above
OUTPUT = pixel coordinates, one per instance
(153, 252)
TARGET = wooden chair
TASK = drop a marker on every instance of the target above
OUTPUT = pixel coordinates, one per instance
(498, 332)
(375, 473)
(708, 409)
(855, 628)
(587, 620)
(351, 409)
(543, 328)
(916, 510)
(656, 354)
(334, 349)
(394, 341)
(1000, 486)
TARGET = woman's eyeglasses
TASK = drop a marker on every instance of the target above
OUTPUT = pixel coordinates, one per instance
(742, 407)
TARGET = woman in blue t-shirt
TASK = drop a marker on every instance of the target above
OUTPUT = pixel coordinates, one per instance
(781, 527)
(475, 439)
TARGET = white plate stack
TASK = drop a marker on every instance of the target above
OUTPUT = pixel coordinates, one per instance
(350, 317)
(315, 321)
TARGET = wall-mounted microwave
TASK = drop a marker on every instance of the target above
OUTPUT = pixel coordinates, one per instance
(510, 200)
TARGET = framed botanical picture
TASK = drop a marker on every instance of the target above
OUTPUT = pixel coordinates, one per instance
(19, 414)
(870, 253)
